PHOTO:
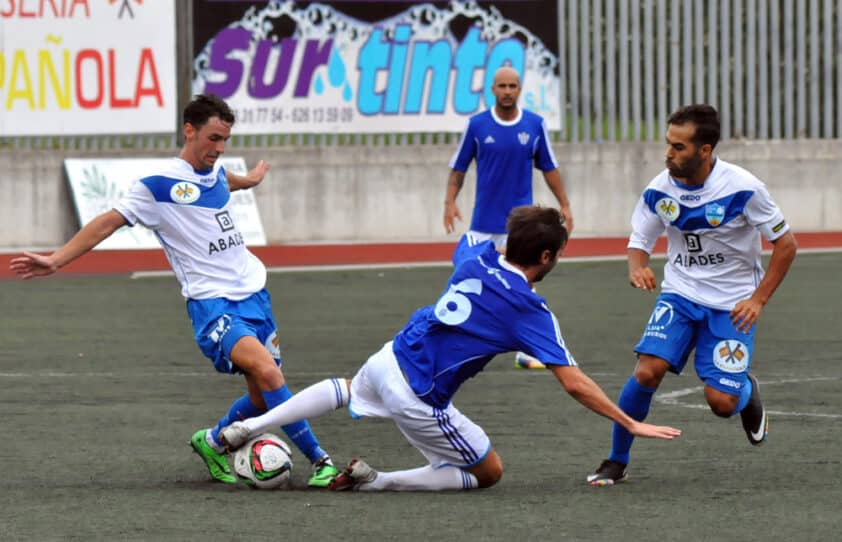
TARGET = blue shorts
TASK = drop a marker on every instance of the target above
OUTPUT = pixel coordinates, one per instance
(219, 323)
(678, 325)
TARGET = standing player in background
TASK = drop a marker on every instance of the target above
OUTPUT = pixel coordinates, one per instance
(487, 307)
(507, 142)
(714, 287)
(187, 205)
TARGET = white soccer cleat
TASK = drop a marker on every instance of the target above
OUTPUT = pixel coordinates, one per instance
(355, 475)
(525, 361)
(234, 436)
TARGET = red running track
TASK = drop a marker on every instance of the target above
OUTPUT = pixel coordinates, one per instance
(129, 261)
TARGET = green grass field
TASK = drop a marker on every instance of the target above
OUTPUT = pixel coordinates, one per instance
(101, 387)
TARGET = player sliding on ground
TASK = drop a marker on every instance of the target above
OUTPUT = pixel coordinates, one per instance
(487, 308)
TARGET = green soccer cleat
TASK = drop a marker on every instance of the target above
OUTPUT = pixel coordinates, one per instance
(215, 461)
(323, 473)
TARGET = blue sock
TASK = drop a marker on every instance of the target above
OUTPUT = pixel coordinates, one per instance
(745, 395)
(299, 432)
(634, 400)
(240, 409)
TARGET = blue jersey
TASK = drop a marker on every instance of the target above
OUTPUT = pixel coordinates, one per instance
(505, 154)
(487, 308)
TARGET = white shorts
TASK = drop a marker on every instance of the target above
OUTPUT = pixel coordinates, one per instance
(444, 436)
(476, 237)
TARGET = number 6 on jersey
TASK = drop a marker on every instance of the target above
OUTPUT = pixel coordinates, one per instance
(454, 308)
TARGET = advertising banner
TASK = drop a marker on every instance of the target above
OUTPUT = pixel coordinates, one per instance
(372, 67)
(98, 184)
(87, 67)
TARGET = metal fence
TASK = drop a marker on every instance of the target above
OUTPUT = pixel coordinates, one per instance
(773, 68)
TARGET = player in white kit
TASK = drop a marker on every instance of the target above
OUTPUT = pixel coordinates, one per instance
(187, 205)
(714, 286)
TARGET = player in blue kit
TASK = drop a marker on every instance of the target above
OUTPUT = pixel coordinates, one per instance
(714, 286)
(487, 307)
(188, 207)
(507, 143)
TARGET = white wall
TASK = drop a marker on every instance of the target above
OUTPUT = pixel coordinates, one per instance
(344, 193)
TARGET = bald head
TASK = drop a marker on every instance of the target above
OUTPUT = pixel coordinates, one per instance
(506, 73)
(506, 91)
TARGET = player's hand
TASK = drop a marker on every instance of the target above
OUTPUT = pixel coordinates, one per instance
(643, 278)
(256, 174)
(451, 212)
(568, 218)
(745, 314)
(32, 265)
(646, 430)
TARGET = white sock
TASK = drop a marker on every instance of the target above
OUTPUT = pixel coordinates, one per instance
(422, 479)
(311, 402)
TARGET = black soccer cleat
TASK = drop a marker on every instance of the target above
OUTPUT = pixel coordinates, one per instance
(754, 418)
(609, 473)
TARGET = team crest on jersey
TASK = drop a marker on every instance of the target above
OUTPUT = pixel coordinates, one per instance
(714, 213)
(523, 137)
(184, 192)
(668, 209)
(731, 356)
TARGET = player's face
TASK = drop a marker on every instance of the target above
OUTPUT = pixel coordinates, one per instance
(506, 89)
(204, 146)
(683, 159)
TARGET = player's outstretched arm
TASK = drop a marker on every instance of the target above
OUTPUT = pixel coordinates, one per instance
(251, 179)
(586, 391)
(37, 265)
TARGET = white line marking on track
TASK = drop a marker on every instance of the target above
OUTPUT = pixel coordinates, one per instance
(672, 398)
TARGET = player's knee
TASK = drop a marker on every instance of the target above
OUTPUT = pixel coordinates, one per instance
(268, 376)
(721, 411)
(490, 476)
(489, 471)
(721, 404)
(649, 372)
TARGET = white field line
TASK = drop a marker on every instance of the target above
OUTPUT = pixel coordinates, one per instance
(672, 398)
(447, 263)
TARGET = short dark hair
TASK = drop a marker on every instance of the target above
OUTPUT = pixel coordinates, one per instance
(532, 230)
(706, 119)
(205, 106)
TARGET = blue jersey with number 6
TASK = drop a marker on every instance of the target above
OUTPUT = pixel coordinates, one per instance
(487, 308)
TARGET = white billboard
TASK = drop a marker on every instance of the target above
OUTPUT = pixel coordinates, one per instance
(98, 184)
(87, 67)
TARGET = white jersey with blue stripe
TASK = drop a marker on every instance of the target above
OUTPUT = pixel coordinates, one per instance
(713, 233)
(487, 308)
(506, 152)
(189, 211)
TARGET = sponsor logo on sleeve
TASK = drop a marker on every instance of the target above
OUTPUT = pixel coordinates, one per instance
(668, 209)
(184, 193)
(779, 226)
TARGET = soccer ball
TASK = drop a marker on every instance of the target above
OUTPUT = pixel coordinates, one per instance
(264, 462)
